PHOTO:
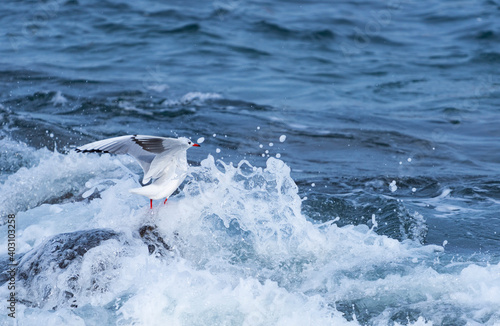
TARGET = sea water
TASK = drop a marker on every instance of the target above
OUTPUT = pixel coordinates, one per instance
(243, 252)
(348, 173)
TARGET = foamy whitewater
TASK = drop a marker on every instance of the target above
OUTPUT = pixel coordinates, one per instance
(243, 252)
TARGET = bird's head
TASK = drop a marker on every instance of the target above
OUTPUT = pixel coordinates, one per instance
(187, 142)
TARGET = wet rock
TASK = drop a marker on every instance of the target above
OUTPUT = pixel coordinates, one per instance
(62, 250)
(70, 268)
(50, 272)
(152, 238)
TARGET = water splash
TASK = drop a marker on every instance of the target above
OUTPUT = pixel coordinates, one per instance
(243, 252)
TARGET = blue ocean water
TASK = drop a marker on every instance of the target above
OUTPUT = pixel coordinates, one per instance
(348, 174)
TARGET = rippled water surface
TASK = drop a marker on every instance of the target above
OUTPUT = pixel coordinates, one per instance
(349, 173)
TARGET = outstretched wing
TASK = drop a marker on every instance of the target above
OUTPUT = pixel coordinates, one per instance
(121, 145)
(157, 145)
(167, 152)
(143, 148)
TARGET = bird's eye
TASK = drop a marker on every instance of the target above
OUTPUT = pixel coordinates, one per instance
(189, 143)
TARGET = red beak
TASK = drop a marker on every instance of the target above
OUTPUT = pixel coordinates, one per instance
(196, 145)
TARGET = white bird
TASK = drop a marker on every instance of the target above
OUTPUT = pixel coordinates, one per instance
(163, 160)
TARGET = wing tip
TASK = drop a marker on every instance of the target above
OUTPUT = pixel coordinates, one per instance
(91, 151)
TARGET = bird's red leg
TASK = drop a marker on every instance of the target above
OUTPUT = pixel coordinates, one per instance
(151, 204)
(165, 201)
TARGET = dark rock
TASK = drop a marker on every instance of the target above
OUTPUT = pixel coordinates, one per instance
(152, 238)
(38, 268)
(62, 249)
(51, 274)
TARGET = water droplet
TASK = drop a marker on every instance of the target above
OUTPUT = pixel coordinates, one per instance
(392, 186)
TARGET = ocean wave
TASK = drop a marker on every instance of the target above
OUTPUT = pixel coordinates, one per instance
(238, 234)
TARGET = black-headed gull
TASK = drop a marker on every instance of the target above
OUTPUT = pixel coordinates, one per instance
(163, 160)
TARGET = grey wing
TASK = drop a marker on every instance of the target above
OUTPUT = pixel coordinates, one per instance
(122, 145)
(156, 145)
(165, 161)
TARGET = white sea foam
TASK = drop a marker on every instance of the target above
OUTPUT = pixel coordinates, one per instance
(158, 87)
(192, 96)
(59, 99)
(127, 106)
(243, 253)
(392, 186)
(14, 155)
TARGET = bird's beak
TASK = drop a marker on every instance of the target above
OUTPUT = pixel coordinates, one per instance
(196, 145)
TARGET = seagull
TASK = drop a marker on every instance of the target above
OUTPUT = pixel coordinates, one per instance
(163, 161)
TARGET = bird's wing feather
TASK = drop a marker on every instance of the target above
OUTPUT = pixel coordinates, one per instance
(167, 155)
(164, 165)
(122, 145)
(150, 143)
(157, 145)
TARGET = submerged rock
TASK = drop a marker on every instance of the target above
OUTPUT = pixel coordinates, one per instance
(71, 266)
(63, 249)
(50, 273)
(154, 241)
